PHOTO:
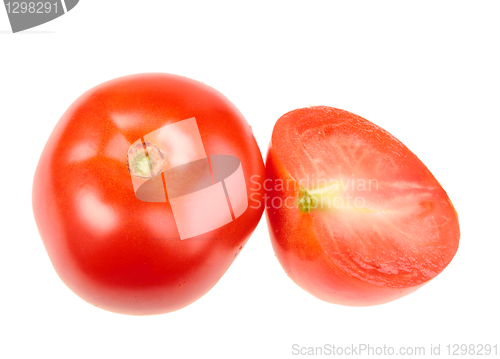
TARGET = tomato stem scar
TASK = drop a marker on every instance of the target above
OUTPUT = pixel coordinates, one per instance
(145, 160)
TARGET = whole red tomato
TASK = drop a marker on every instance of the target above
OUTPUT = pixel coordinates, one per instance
(355, 217)
(141, 193)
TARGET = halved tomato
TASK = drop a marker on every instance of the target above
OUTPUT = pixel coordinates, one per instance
(355, 217)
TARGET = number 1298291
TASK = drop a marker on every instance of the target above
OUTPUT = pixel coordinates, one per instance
(32, 7)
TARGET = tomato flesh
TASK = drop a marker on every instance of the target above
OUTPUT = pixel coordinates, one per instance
(372, 211)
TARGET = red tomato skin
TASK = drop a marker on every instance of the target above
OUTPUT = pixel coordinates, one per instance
(301, 255)
(114, 251)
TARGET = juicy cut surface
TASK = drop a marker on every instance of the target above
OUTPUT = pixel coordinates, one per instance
(378, 212)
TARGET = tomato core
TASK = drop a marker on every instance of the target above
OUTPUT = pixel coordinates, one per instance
(318, 198)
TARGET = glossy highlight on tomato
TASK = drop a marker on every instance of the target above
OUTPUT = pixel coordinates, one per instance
(104, 188)
(355, 218)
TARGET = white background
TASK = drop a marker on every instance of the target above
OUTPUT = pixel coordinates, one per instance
(426, 71)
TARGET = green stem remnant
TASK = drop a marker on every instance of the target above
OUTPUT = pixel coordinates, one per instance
(145, 160)
(317, 198)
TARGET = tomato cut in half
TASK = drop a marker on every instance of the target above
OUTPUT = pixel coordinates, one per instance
(141, 194)
(354, 216)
